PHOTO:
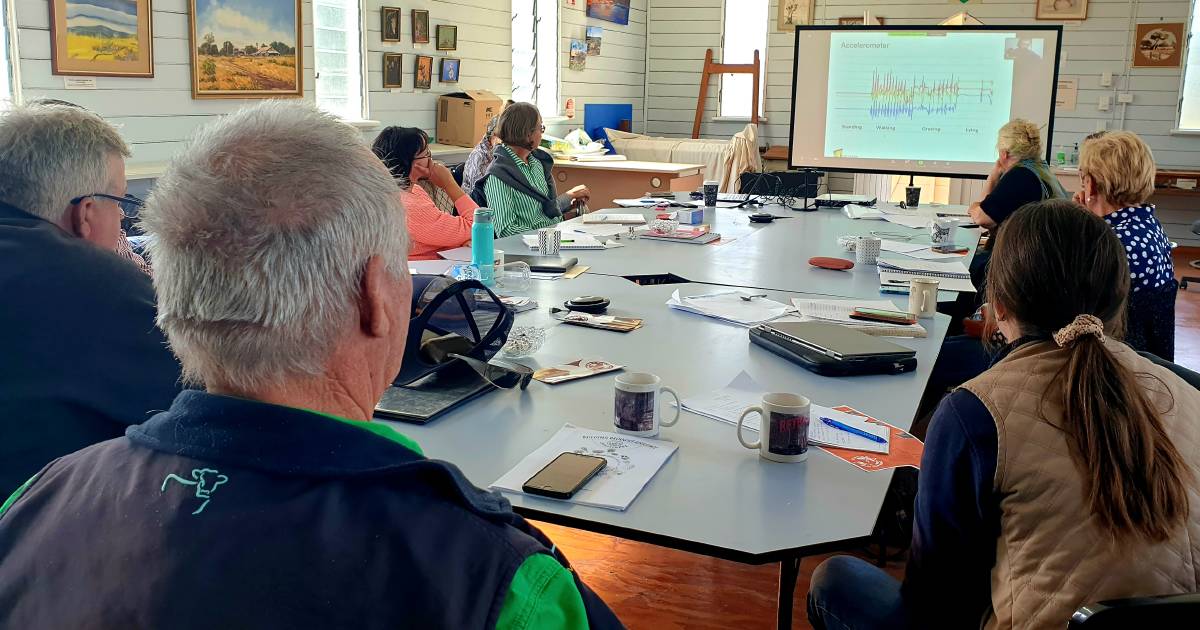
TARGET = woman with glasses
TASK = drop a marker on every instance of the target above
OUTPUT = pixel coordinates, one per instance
(519, 187)
(405, 151)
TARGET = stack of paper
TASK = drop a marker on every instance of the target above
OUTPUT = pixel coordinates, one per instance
(895, 274)
(613, 217)
(731, 306)
(838, 312)
(430, 267)
(822, 434)
(917, 250)
(632, 462)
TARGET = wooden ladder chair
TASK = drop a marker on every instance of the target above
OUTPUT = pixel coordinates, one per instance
(710, 69)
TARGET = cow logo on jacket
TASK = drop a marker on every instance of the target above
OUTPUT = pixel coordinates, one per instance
(205, 480)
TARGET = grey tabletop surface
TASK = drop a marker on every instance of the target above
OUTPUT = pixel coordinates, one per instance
(765, 256)
(713, 495)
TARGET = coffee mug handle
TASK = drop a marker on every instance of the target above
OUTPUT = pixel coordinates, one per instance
(678, 407)
(748, 411)
(924, 299)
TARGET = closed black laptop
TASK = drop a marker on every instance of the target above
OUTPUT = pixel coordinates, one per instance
(543, 264)
(833, 350)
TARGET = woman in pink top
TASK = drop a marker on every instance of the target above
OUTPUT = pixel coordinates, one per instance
(405, 151)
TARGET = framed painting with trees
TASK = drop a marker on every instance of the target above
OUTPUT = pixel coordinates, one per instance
(251, 49)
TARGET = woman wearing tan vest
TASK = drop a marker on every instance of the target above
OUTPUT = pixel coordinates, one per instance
(1064, 474)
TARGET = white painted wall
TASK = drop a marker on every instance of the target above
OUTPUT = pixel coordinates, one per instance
(681, 30)
(617, 75)
(157, 115)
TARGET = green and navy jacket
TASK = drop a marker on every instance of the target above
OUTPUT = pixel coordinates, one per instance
(229, 513)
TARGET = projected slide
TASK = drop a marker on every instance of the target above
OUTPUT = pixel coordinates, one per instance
(916, 97)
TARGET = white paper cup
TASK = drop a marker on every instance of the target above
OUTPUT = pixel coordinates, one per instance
(866, 249)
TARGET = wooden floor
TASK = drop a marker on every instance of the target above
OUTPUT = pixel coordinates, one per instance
(655, 588)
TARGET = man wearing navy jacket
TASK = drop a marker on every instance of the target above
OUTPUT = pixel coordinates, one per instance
(270, 499)
(80, 357)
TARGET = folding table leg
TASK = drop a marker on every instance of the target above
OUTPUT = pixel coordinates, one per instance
(789, 572)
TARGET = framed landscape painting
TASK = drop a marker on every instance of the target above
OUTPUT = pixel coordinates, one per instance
(101, 38)
(251, 49)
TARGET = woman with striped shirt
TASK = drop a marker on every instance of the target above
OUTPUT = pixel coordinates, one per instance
(405, 151)
(518, 186)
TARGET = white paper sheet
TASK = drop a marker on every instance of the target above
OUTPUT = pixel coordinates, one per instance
(458, 254)
(637, 203)
(613, 217)
(838, 311)
(825, 435)
(908, 220)
(901, 247)
(569, 241)
(632, 463)
(727, 403)
(728, 306)
(855, 211)
(430, 267)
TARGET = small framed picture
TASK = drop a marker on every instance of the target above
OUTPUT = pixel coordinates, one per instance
(391, 24)
(1062, 9)
(447, 37)
(108, 40)
(1159, 45)
(450, 70)
(420, 26)
(424, 72)
(393, 75)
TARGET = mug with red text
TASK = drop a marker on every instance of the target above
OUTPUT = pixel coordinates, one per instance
(783, 428)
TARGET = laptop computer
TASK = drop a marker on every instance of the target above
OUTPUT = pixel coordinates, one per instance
(543, 264)
(833, 350)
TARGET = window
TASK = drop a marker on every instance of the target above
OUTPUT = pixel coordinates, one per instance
(535, 54)
(337, 45)
(745, 31)
(1189, 96)
(6, 87)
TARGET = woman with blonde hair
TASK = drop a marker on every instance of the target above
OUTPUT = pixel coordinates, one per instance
(1116, 171)
(1020, 175)
(1067, 473)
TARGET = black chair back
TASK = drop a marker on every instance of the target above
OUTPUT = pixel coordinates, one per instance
(457, 172)
(1167, 611)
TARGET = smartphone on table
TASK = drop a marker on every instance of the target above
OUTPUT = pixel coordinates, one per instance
(566, 475)
(949, 249)
(880, 315)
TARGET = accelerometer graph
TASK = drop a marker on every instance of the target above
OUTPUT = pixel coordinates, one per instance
(893, 96)
(904, 97)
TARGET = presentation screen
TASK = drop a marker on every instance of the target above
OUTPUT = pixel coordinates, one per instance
(917, 99)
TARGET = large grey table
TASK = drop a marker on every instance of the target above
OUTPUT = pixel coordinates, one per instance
(713, 496)
(762, 256)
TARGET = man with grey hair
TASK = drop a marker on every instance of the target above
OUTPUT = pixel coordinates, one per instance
(271, 500)
(82, 358)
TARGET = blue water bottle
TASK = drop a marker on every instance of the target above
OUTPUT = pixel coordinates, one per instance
(483, 246)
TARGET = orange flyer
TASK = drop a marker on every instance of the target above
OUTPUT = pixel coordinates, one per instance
(903, 449)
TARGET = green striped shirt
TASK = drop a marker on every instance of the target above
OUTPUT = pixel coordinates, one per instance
(514, 212)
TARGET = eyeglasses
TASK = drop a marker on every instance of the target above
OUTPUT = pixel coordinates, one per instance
(542, 127)
(129, 204)
(506, 376)
(422, 156)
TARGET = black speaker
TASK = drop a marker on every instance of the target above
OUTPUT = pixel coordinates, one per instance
(800, 184)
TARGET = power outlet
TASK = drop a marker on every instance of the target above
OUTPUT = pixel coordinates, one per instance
(1105, 103)
(1106, 79)
(1125, 97)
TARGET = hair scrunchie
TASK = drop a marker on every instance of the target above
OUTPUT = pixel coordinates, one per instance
(1082, 325)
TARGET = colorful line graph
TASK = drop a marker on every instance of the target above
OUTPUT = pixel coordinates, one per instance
(894, 97)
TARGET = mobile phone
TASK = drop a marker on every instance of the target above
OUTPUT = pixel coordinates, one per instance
(564, 476)
(949, 249)
(661, 195)
(880, 315)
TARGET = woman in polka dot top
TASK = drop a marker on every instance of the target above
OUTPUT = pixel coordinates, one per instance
(1117, 173)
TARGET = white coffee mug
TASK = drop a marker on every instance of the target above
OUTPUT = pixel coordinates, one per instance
(923, 297)
(866, 249)
(635, 404)
(783, 432)
(941, 231)
(549, 241)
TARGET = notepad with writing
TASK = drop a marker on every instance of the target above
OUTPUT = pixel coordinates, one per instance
(825, 435)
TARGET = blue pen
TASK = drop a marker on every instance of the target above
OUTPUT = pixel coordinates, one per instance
(845, 427)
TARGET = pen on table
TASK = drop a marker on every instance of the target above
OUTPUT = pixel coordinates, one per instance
(849, 429)
(567, 240)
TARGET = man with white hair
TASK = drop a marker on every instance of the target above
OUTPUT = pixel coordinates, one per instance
(81, 357)
(271, 500)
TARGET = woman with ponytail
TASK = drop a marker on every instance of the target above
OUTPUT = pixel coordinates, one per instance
(1064, 474)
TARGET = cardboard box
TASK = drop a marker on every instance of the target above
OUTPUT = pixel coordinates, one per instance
(463, 116)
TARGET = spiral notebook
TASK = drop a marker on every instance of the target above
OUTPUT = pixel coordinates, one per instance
(894, 275)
